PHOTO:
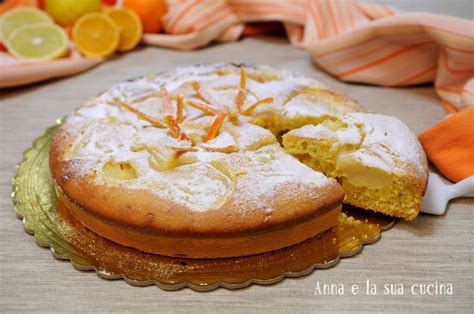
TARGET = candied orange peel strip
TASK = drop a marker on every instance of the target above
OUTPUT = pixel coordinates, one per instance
(166, 99)
(215, 126)
(174, 128)
(179, 108)
(197, 89)
(143, 98)
(240, 99)
(143, 116)
(204, 108)
(171, 122)
(252, 107)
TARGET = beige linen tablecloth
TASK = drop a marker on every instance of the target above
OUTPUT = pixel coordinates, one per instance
(427, 250)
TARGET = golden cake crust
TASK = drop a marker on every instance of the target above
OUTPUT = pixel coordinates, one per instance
(192, 245)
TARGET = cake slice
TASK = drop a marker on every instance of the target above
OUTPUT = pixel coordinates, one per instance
(377, 160)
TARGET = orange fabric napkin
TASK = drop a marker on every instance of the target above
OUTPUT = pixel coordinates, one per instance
(450, 145)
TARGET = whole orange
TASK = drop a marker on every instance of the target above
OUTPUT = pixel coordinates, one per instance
(150, 13)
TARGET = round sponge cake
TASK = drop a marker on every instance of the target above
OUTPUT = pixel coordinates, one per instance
(183, 163)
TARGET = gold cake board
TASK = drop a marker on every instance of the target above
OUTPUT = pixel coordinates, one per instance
(36, 203)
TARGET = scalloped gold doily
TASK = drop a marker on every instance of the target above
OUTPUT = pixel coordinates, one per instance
(35, 201)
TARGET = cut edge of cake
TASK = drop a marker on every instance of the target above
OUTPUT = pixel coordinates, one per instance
(376, 159)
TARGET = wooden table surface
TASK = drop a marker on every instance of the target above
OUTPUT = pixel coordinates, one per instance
(428, 250)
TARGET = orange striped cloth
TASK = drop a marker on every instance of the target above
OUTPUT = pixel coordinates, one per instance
(355, 42)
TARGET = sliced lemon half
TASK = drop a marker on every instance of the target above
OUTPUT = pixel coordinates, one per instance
(38, 42)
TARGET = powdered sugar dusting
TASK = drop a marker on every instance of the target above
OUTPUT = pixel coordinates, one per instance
(389, 145)
(348, 135)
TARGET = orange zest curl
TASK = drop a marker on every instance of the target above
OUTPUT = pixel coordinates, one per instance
(179, 108)
(143, 116)
(215, 127)
(166, 99)
(171, 122)
(197, 89)
(240, 99)
(252, 107)
(174, 128)
(204, 108)
(143, 98)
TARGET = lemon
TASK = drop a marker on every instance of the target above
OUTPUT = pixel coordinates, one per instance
(66, 12)
(96, 35)
(21, 16)
(38, 42)
(130, 27)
